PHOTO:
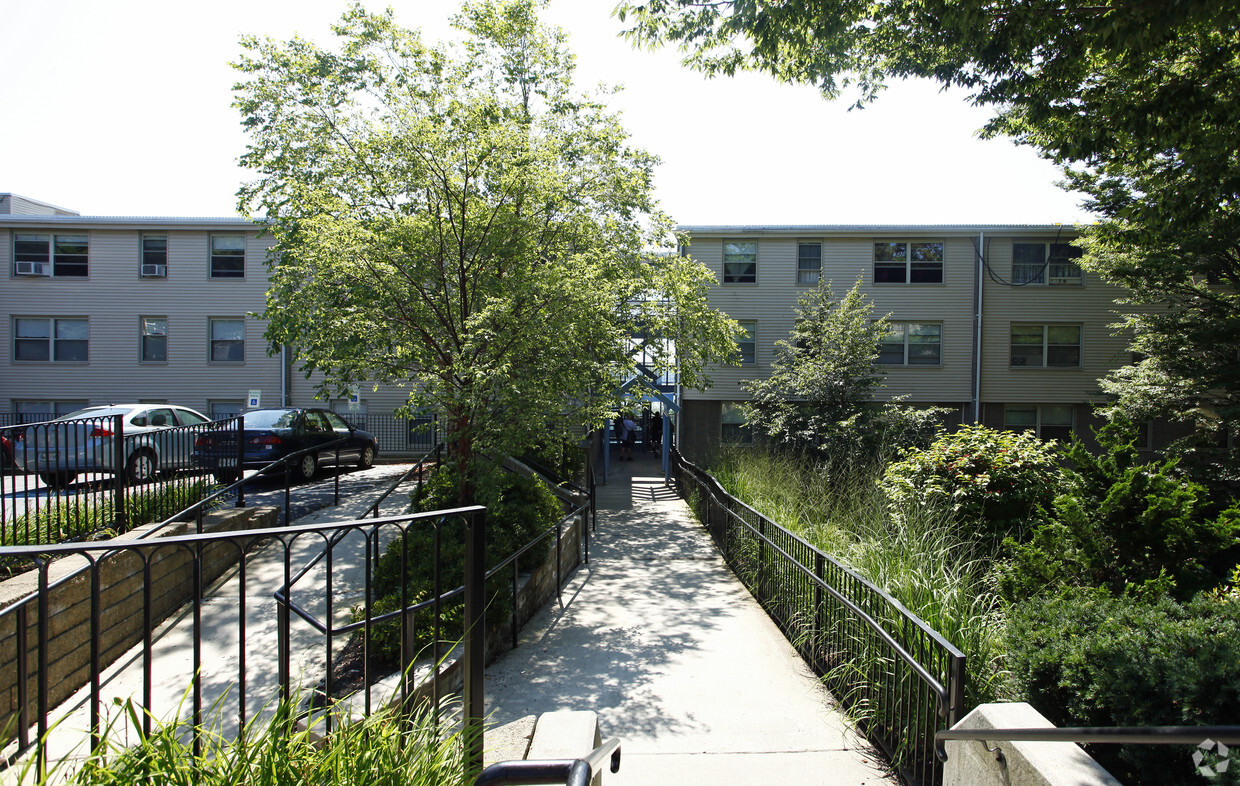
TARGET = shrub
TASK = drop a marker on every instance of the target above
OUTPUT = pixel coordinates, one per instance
(1125, 526)
(518, 510)
(1087, 659)
(993, 482)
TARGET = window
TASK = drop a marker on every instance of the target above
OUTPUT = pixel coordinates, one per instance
(44, 339)
(35, 411)
(154, 339)
(222, 410)
(749, 341)
(809, 263)
(228, 340)
(154, 255)
(900, 262)
(912, 344)
(734, 429)
(1049, 346)
(1048, 422)
(1045, 263)
(55, 255)
(228, 256)
(740, 262)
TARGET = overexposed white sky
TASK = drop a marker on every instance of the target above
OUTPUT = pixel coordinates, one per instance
(124, 108)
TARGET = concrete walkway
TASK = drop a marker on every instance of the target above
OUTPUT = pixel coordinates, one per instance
(660, 639)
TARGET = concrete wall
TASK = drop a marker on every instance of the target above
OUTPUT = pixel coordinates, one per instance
(121, 604)
(977, 762)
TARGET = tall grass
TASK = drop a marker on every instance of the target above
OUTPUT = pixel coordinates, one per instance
(387, 748)
(921, 558)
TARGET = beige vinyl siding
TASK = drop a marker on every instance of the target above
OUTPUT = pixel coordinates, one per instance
(845, 260)
(114, 299)
(1091, 305)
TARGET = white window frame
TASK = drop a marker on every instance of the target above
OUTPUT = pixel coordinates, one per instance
(750, 340)
(37, 410)
(742, 268)
(898, 255)
(212, 340)
(52, 338)
(805, 274)
(225, 255)
(1045, 418)
(1047, 272)
(149, 251)
(148, 329)
(903, 329)
(222, 409)
(1046, 345)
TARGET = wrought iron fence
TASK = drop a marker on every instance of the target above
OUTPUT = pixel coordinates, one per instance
(899, 678)
(219, 658)
(397, 435)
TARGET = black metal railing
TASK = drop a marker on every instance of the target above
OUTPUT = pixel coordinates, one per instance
(69, 479)
(221, 661)
(570, 772)
(899, 678)
(397, 435)
(1134, 735)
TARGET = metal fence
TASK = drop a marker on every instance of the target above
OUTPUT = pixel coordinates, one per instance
(900, 679)
(397, 435)
(68, 479)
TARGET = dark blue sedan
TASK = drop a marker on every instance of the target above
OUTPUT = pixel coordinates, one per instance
(271, 434)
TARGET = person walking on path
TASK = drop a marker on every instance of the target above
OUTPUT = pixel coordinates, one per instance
(628, 436)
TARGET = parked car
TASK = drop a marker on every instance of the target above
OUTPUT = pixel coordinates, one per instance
(271, 434)
(155, 440)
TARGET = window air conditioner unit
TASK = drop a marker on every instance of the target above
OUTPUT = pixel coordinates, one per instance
(32, 268)
(154, 271)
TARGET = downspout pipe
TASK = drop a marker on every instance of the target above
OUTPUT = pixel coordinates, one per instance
(978, 288)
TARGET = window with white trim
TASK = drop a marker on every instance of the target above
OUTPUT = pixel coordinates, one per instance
(908, 262)
(1045, 346)
(748, 342)
(1046, 263)
(51, 255)
(1048, 421)
(912, 344)
(154, 339)
(733, 428)
(51, 339)
(809, 262)
(228, 256)
(30, 411)
(222, 410)
(740, 262)
(227, 340)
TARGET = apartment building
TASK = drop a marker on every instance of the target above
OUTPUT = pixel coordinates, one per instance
(134, 309)
(996, 322)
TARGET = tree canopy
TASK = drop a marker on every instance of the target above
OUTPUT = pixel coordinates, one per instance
(458, 219)
(822, 389)
(1135, 100)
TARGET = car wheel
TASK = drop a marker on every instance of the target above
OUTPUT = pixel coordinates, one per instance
(308, 466)
(227, 478)
(141, 467)
(367, 459)
(58, 480)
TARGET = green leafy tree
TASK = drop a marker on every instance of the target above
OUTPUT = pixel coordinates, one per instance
(820, 394)
(460, 220)
(1126, 526)
(1132, 99)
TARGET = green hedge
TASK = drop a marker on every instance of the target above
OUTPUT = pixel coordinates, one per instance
(1088, 659)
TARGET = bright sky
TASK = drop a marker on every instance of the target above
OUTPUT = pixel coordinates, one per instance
(124, 108)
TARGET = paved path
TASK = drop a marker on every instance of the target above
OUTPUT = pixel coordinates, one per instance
(660, 639)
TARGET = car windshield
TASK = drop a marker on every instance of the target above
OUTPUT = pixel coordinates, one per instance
(271, 418)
